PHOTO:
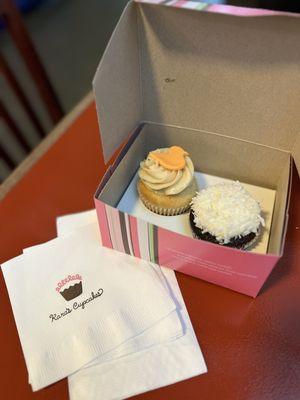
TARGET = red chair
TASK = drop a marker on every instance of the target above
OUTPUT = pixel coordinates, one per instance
(11, 17)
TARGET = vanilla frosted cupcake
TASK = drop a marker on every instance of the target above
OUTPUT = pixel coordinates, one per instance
(167, 183)
(226, 214)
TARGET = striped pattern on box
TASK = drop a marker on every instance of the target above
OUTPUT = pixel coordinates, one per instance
(218, 8)
(128, 234)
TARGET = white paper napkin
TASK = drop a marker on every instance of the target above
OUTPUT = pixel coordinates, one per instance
(165, 330)
(67, 225)
(154, 367)
(58, 334)
(137, 373)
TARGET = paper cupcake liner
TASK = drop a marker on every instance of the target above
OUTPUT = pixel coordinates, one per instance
(246, 246)
(253, 241)
(163, 210)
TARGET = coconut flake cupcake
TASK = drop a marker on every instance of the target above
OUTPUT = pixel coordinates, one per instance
(167, 183)
(226, 214)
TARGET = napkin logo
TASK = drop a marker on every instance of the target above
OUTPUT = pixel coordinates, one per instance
(69, 292)
(70, 287)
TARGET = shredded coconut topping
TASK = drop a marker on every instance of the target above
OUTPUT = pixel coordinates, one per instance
(226, 211)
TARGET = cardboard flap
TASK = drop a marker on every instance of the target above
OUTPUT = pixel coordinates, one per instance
(232, 75)
(227, 74)
(117, 84)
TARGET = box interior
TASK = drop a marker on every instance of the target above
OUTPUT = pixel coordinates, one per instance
(236, 76)
(213, 154)
(130, 204)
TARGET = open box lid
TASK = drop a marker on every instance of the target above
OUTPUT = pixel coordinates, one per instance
(236, 75)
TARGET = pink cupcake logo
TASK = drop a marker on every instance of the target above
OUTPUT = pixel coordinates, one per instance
(70, 287)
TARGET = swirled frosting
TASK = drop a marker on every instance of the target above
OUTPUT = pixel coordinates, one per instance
(166, 181)
(226, 210)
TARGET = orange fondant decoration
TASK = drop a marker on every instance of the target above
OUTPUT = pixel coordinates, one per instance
(172, 159)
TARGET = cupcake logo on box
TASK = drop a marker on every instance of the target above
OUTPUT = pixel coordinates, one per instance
(70, 287)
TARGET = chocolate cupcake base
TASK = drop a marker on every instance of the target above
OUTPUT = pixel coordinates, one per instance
(237, 242)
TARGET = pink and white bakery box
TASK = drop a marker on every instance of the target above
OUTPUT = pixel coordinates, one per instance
(224, 84)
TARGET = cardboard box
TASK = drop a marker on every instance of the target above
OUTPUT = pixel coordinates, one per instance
(224, 87)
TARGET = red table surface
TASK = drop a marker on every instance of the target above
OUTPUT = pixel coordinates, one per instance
(251, 346)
